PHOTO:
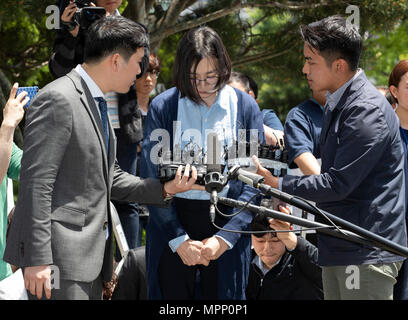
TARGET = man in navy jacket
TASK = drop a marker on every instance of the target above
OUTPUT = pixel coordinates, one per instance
(362, 174)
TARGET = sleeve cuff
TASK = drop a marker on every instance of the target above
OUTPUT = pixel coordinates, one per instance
(176, 242)
(230, 246)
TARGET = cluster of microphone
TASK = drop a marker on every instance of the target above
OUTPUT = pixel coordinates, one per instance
(239, 154)
(211, 175)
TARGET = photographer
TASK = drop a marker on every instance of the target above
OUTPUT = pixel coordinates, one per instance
(69, 41)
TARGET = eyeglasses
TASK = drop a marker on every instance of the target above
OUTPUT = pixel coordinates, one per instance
(153, 74)
(212, 80)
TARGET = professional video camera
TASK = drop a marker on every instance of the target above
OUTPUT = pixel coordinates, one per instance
(85, 15)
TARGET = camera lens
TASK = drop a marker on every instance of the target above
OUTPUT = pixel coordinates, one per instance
(90, 15)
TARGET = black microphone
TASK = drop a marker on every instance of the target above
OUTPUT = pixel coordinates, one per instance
(252, 179)
(214, 181)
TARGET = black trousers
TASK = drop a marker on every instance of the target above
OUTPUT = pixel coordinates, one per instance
(179, 281)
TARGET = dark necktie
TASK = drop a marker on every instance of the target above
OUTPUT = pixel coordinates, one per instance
(103, 107)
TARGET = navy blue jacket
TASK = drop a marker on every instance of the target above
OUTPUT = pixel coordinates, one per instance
(362, 179)
(163, 225)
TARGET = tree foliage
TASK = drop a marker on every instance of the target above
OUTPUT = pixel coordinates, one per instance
(384, 50)
(25, 46)
(261, 36)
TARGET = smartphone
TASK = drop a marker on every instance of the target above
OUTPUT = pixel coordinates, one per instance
(32, 91)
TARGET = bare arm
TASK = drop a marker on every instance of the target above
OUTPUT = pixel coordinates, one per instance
(12, 114)
(307, 163)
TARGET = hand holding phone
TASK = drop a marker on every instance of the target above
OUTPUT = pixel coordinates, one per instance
(31, 92)
(13, 111)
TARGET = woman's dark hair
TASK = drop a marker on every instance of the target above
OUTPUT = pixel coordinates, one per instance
(396, 74)
(335, 38)
(197, 44)
(391, 100)
(115, 34)
(261, 223)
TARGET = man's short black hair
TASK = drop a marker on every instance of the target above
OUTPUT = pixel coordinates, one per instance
(335, 38)
(261, 223)
(197, 44)
(253, 85)
(115, 34)
(248, 83)
(240, 78)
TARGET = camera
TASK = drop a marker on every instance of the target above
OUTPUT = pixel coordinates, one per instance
(86, 14)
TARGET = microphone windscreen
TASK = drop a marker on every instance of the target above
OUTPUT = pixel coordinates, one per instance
(213, 153)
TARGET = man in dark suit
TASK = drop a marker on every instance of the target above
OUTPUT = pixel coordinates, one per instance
(69, 172)
(362, 174)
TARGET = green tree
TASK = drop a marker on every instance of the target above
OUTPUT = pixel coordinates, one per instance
(261, 36)
(25, 47)
(384, 50)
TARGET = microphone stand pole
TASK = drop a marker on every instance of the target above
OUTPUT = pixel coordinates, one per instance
(320, 227)
(304, 205)
(349, 230)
